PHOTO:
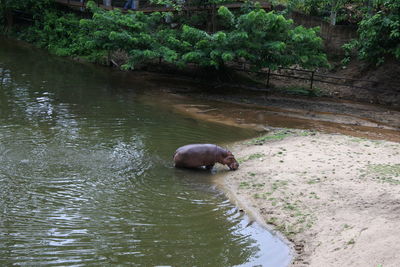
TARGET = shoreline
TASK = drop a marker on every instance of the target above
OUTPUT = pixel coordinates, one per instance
(332, 194)
(353, 119)
(332, 197)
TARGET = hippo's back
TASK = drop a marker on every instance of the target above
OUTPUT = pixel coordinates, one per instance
(196, 155)
(197, 148)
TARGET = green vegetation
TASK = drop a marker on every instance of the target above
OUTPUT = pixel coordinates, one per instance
(351, 242)
(379, 33)
(261, 39)
(251, 157)
(347, 11)
(314, 181)
(248, 185)
(257, 37)
(277, 135)
(378, 24)
(244, 185)
(33, 7)
(384, 172)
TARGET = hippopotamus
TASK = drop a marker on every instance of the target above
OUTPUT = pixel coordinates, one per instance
(198, 155)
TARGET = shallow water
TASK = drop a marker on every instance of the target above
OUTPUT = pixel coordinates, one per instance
(86, 174)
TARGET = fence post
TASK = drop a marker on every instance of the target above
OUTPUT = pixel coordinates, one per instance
(213, 18)
(312, 80)
(268, 74)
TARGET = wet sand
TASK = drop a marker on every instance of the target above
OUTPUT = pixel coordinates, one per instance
(355, 119)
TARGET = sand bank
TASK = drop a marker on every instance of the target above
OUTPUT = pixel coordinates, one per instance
(337, 198)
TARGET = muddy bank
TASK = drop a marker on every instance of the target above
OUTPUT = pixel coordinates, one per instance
(355, 119)
(335, 197)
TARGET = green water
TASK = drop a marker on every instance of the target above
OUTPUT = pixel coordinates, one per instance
(86, 174)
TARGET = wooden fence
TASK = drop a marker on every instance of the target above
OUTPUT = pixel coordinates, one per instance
(311, 77)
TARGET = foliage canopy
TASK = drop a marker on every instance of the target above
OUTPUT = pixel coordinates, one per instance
(379, 33)
(257, 37)
(378, 24)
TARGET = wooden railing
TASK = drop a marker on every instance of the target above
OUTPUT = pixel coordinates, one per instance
(311, 77)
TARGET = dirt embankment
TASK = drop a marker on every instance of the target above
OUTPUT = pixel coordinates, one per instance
(337, 198)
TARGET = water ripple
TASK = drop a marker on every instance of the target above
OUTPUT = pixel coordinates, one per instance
(86, 176)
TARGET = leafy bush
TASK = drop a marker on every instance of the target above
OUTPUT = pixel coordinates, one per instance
(347, 11)
(33, 7)
(379, 33)
(257, 37)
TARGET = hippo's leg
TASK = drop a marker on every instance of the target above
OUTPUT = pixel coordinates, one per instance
(209, 167)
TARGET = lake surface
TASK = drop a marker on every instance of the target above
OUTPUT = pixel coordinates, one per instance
(86, 174)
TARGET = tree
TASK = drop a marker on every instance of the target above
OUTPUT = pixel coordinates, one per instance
(378, 33)
(257, 37)
(33, 7)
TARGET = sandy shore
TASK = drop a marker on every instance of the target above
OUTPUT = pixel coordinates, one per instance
(337, 198)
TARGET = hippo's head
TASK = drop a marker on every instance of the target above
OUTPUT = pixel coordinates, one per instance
(231, 162)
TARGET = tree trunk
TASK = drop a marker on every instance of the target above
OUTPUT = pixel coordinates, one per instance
(7, 14)
(333, 13)
(9, 18)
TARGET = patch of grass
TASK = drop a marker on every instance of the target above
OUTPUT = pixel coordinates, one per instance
(358, 139)
(384, 172)
(385, 169)
(290, 227)
(263, 196)
(275, 185)
(280, 135)
(346, 226)
(314, 181)
(351, 242)
(244, 185)
(314, 195)
(290, 206)
(272, 220)
(277, 136)
(251, 157)
(257, 195)
(256, 156)
(247, 185)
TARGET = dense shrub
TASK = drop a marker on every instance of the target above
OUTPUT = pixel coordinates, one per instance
(257, 37)
(379, 33)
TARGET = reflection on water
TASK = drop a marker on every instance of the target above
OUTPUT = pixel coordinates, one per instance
(86, 175)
